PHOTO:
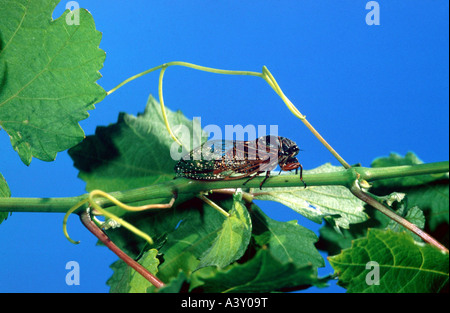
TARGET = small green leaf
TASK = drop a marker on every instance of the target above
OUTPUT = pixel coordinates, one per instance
(315, 203)
(413, 215)
(402, 264)
(48, 74)
(232, 239)
(125, 279)
(4, 193)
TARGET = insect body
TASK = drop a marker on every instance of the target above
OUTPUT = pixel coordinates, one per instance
(229, 160)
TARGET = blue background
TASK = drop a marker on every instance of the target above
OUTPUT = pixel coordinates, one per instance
(369, 90)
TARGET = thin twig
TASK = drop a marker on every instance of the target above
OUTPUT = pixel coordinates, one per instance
(90, 225)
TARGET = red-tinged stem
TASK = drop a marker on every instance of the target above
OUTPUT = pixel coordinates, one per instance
(392, 215)
(90, 225)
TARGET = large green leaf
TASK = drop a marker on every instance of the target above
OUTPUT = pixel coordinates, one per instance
(134, 152)
(288, 241)
(48, 74)
(317, 202)
(387, 261)
(4, 193)
(262, 273)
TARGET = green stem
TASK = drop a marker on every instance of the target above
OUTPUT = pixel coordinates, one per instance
(371, 174)
(185, 187)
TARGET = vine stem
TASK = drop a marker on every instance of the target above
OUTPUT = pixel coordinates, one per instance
(97, 232)
(386, 211)
(186, 187)
(265, 74)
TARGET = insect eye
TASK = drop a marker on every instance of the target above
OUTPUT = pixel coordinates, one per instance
(293, 150)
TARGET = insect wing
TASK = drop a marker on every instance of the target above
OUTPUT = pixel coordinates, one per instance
(202, 162)
(210, 150)
(230, 159)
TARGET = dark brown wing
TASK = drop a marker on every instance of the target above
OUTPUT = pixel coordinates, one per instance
(228, 160)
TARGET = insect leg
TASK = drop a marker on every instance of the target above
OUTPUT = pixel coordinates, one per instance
(267, 176)
(253, 176)
(301, 174)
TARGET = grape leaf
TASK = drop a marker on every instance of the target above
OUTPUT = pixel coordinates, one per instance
(429, 192)
(403, 264)
(193, 237)
(288, 241)
(317, 202)
(125, 279)
(413, 215)
(433, 199)
(232, 239)
(48, 74)
(263, 273)
(175, 285)
(333, 242)
(4, 193)
(134, 152)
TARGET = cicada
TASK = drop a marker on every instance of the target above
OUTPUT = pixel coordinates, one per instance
(231, 159)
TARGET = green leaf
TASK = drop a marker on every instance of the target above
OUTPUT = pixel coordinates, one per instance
(288, 241)
(429, 192)
(4, 193)
(317, 202)
(156, 223)
(175, 285)
(194, 236)
(333, 242)
(134, 152)
(413, 215)
(48, 74)
(263, 273)
(403, 264)
(433, 199)
(232, 239)
(125, 279)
